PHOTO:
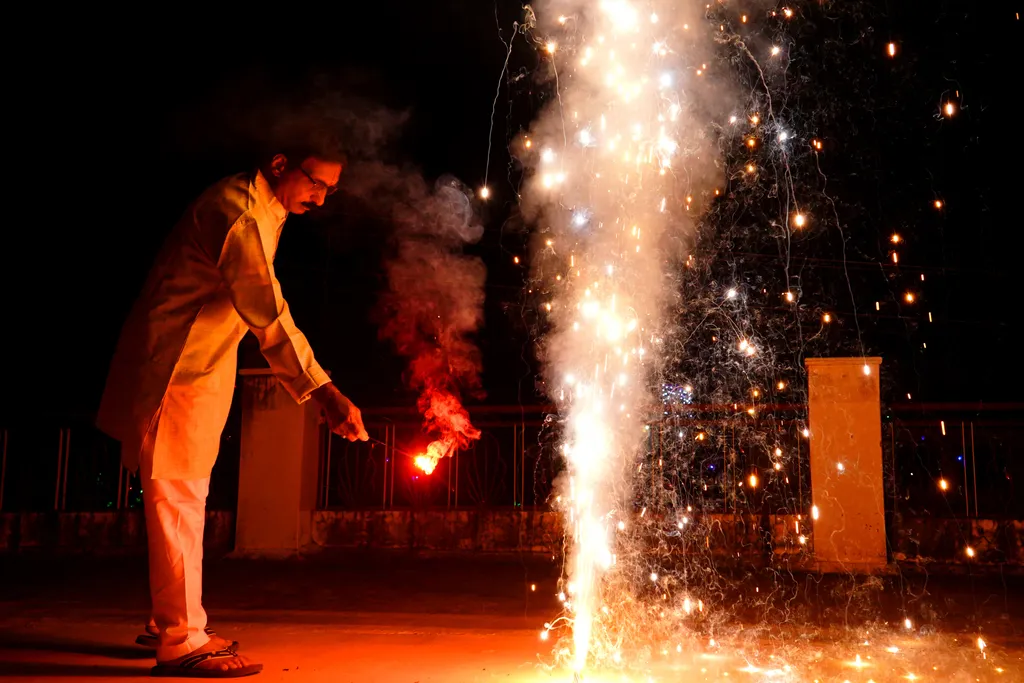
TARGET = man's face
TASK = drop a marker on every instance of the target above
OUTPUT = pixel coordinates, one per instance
(304, 186)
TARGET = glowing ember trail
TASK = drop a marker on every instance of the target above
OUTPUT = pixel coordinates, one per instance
(620, 166)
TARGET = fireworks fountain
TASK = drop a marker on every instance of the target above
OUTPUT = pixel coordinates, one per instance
(617, 163)
(621, 168)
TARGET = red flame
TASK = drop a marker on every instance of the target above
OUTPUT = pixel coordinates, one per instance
(425, 463)
(428, 461)
(444, 413)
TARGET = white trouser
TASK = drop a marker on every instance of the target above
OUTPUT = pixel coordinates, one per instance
(175, 517)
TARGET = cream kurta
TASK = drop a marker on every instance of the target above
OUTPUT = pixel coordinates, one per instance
(174, 368)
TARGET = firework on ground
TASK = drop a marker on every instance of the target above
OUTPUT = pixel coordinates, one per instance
(668, 162)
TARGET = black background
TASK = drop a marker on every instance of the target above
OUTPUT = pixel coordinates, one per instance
(108, 143)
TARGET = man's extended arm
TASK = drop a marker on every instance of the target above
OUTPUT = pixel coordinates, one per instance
(256, 295)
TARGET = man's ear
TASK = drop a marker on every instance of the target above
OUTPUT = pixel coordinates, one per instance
(278, 164)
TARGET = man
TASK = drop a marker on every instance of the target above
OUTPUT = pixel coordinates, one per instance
(171, 381)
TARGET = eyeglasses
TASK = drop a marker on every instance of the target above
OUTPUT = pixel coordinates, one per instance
(319, 185)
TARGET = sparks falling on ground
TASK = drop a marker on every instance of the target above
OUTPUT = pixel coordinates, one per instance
(604, 179)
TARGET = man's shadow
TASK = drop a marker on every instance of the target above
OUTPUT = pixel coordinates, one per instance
(43, 644)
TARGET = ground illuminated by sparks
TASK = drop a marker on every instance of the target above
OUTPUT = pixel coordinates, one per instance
(824, 657)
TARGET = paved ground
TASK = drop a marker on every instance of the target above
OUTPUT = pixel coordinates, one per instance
(393, 618)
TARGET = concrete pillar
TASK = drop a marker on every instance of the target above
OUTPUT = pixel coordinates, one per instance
(277, 474)
(847, 487)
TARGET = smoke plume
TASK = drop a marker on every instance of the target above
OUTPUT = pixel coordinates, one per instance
(434, 301)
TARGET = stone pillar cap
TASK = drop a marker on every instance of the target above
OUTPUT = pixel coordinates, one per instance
(856, 360)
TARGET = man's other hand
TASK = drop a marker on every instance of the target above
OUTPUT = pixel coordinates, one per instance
(342, 416)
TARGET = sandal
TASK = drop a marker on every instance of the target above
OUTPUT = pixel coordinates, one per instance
(186, 667)
(149, 640)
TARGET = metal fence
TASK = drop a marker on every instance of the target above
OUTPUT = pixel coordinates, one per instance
(710, 462)
(67, 465)
(956, 463)
(943, 462)
(38, 472)
(507, 467)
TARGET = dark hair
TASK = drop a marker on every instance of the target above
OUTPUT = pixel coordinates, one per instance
(300, 139)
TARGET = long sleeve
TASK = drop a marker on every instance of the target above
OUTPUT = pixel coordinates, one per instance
(256, 295)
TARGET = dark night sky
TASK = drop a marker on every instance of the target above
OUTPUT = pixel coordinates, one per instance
(106, 122)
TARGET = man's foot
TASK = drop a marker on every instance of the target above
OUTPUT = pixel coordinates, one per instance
(149, 640)
(223, 643)
(209, 661)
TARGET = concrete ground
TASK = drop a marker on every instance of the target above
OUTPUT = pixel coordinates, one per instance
(396, 617)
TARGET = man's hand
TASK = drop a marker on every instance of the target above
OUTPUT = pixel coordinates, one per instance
(342, 416)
